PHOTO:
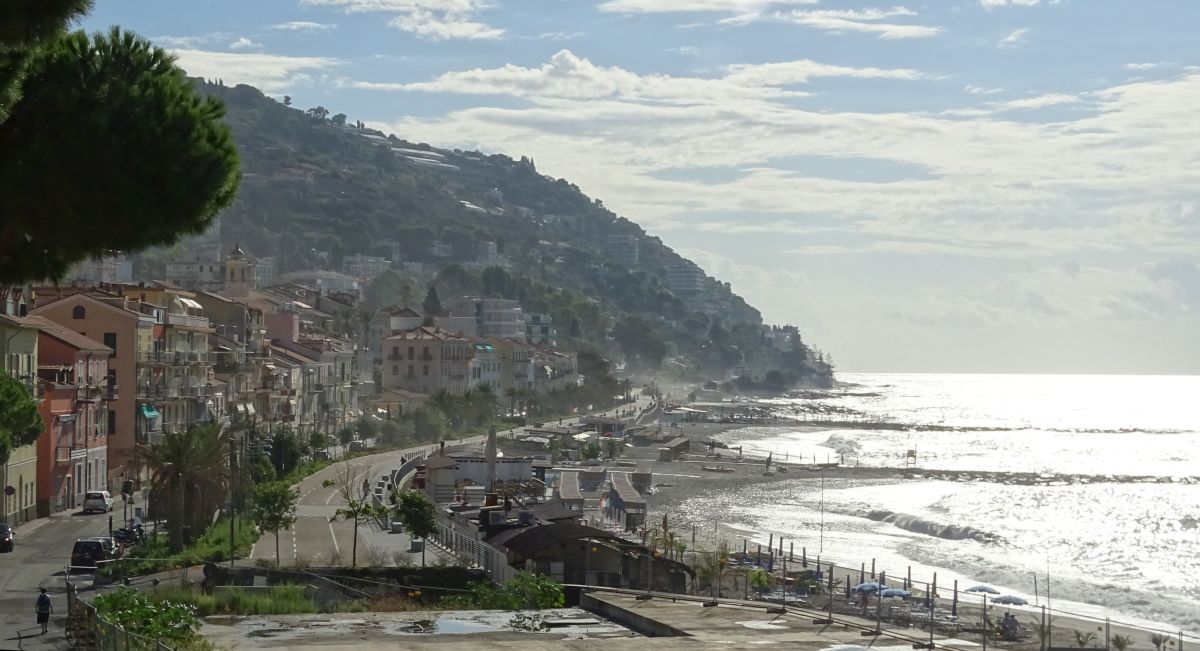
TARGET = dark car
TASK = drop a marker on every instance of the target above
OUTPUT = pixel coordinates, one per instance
(88, 552)
(6, 538)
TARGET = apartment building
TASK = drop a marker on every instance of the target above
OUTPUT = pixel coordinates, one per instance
(79, 391)
(19, 360)
(426, 360)
(494, 317)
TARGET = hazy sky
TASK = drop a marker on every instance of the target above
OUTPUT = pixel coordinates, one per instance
(969, 185)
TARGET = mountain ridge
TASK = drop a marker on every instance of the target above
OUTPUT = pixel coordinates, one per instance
(316, 189)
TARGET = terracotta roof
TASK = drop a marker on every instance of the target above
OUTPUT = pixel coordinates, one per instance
(404, 311)
(66, 335)
(425, 333)
(527, 541)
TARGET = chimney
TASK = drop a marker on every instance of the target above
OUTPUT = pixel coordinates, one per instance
(491, 459)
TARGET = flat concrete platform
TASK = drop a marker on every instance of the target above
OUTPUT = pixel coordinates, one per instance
(734, 626)
(692, 625)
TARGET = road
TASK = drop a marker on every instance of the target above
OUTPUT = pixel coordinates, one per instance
(43, 550)
(317, 542)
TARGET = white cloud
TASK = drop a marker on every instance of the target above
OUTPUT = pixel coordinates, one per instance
(193, 41)
(435, 20)
(570, 77)
(1013, 38)
(992, 4)
(1041, 101)
(243, 43)
(304, 26)
(269, 72)
(1146, 65)
(844, 20)
(686, 50)
(676, 6)
(981, 90)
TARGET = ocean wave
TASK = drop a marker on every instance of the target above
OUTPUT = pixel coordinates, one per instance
(920, 525)
(842, 444)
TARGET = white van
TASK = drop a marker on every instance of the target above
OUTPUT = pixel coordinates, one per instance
(100, 501)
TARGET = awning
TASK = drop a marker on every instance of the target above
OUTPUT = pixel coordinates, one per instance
(250, 409)
(240, 407)
(582, 437)
(149, 411)
(190, 303)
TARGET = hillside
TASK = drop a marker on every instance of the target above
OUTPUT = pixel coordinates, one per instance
(316, 190)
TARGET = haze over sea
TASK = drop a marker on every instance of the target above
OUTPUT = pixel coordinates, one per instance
(1128, 549)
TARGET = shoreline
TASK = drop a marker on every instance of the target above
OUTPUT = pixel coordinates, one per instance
(678, 480)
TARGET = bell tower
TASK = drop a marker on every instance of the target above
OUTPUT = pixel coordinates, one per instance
(238, 274)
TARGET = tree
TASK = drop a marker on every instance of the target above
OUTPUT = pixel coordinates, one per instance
(171, 623)
(317, 440)
(432, 304)
(1121, 642)
(169, 163)
(1083, 638)
(25, 27)
(367, 427)
(391, 288)
(285, 451)
(417, 514)
(318, 113)
(345, 435)
(20, 423)
(273, 507)
(287, 100)
(188, 469)
(356, 509)
(339, 119)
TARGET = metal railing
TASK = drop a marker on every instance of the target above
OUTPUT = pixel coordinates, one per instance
(87, 629)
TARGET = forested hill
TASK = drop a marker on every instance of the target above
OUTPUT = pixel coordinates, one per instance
(316, 190)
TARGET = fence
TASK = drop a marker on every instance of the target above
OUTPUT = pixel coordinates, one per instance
(88, 630)
(464, 544)
(946, 608)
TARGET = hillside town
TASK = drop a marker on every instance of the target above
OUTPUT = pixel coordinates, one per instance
(116, 365)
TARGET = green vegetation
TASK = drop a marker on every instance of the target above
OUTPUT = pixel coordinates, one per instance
(212, 545)
(273, 507)
(20, 423)
(275, 600)
(170, 163)
(188, 471)
(417, 515)
(172, 623)
(525, 591)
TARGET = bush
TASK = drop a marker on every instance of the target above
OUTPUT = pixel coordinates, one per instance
(275, 600)
(173, 623)
(525, 591)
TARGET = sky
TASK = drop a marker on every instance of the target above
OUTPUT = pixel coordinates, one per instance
(1004, 186)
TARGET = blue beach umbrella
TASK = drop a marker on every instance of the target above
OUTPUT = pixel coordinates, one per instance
(895, 592)
(983, 588)
(1009, 599)
(869, 587)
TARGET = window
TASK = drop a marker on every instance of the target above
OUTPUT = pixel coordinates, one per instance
(112, 422)
(395, 369)
(79, 312)
(110, 340)
(410, 352)
(424, 369)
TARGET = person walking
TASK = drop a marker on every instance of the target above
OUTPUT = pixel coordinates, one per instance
(44, 608)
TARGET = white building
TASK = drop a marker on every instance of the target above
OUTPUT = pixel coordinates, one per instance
(686, 280)
(622, 250)
(494, 317)
(540, 330)
(325, 281)
(486, 366)
(109, 269)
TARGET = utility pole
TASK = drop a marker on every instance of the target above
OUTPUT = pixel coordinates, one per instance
(232, 489)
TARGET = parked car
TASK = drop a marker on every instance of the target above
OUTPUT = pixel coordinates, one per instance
(100, 501)
(357, 446)
(6, 538)
(88, 552)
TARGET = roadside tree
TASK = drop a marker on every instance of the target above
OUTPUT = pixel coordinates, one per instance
(273, 508)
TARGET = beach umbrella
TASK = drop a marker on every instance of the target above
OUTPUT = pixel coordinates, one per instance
(868, 587)
(1009, 599)
(895, 592)
(983, 588)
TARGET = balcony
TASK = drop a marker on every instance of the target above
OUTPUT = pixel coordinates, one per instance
(110, 393)
(172, 357)
(187, 321)
(229, 363)
(87, 393)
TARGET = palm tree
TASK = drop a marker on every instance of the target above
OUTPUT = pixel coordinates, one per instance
(189, 470)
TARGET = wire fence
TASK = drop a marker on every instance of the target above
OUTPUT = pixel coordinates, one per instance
(900, 601)
(88, 630)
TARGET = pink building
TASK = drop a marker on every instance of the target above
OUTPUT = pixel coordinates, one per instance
(79, 390)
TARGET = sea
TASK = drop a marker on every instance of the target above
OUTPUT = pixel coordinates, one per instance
(1116, 533)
